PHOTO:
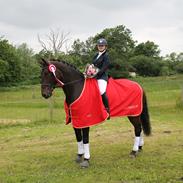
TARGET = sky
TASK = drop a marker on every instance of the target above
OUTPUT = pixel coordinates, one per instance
(160, 21)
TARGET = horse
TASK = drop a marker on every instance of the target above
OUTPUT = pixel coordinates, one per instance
(71, 80)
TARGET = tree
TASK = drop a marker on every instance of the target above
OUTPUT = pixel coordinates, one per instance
(179, 68)
(146, 66)
(82, 52)
(147, 61)
(180, 57)
(119, 69)
(78, 48)
(149, 49)
(172, 57)
(3, 71)
(30, 69)
(9, 63)
(54, 42)
(174, 62)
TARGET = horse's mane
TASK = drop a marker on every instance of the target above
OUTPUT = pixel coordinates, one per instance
(68, 64)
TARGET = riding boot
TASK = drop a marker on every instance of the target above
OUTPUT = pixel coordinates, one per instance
(106, 104)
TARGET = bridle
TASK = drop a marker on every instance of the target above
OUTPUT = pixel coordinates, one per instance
(52, 68)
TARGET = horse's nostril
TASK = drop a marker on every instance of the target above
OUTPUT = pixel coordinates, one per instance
(44, 95)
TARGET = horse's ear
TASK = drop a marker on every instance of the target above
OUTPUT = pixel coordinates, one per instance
(43, 62)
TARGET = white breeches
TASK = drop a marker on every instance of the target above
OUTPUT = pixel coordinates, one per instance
(102, 84)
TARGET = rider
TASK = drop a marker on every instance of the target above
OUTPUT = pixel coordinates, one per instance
(101, 61)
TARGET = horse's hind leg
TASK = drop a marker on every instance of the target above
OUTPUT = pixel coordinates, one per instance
(138, 141)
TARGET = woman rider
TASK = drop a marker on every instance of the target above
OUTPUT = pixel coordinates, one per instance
(101, 61)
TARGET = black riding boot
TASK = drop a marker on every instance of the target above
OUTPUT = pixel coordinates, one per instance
(106, 104)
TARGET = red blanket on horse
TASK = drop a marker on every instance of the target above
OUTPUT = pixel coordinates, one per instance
(125, 99)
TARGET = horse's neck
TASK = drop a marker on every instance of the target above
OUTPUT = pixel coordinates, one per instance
(73, 91)
(74, 82)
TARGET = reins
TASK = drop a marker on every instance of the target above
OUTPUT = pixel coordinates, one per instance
(72, 82)
(65, 84)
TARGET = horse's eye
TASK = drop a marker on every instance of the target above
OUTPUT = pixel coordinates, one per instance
(46, 73)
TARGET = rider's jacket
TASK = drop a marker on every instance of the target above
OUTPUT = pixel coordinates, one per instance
(102, 62)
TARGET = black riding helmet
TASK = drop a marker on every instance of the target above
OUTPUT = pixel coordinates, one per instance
(102, 41)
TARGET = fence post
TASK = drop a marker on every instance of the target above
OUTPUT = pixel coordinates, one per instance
(51, 109)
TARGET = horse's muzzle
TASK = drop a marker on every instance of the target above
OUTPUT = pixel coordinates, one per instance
(46, 96)
(46, 92)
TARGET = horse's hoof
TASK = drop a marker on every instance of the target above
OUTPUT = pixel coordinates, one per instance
(140, 149)
(133, 154)
(84, 164)
(79, 158)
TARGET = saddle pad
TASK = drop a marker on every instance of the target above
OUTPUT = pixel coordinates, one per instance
(125, 99)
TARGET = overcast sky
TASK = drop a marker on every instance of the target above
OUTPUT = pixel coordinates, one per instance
(160, 21)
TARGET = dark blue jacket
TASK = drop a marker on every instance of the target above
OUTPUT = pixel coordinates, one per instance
(103, 64)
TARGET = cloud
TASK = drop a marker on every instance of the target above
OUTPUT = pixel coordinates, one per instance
(28, 14)
(158, 20)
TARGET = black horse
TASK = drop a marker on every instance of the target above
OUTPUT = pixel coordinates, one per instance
(72, 82)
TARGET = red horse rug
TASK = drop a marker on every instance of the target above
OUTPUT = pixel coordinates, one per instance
(125, 99)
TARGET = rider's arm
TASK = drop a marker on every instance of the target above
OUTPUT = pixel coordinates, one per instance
(105, 66)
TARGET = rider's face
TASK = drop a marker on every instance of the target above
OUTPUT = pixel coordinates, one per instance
(101, 48)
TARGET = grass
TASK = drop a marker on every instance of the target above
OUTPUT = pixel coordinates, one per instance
(35, 150)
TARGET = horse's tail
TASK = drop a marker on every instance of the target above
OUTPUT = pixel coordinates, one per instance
(146, 125)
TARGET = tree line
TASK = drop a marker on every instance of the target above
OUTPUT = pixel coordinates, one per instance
(19, 64)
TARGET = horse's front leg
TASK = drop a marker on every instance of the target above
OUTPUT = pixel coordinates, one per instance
(82, 136)
(85, 163)
(79, 138)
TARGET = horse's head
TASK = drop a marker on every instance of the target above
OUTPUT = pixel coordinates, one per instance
(60, 73)
(48, 82)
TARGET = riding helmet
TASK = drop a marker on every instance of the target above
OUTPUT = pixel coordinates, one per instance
(102, 41)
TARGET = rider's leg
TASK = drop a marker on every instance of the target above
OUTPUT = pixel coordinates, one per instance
(105, 101)
(102, 87)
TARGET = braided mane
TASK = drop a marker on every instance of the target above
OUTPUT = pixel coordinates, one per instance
(68, 64)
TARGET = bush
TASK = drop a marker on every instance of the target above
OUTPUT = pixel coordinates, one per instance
(179, 67)
(146, 66)
(119, 69)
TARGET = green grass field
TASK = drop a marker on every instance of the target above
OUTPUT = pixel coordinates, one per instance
(35, 150)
